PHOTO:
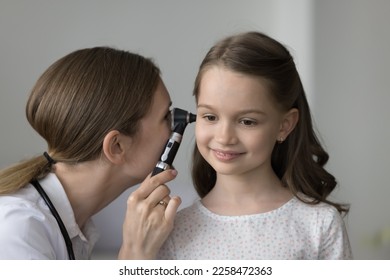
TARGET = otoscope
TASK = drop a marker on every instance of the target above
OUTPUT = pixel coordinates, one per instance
(180, 119)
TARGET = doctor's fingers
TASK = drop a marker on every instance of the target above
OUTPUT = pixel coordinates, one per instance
(159, 197)
(160, 193)
(151, 183)
(171, 210)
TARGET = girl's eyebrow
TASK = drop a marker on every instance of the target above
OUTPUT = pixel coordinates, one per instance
(251, 111)
(240, 112)
(204, 106)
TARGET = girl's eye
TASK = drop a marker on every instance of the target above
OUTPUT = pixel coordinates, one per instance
(248, 122)
(209, 118)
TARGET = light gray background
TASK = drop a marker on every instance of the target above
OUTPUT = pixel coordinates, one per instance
(341, 49)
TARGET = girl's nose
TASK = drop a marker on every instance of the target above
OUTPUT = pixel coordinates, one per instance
(226, 134)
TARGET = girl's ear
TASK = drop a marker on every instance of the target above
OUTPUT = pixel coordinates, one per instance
(289, 122)
(114, 147)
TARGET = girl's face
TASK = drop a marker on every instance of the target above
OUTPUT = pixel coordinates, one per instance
(154, 131)
(237, 123)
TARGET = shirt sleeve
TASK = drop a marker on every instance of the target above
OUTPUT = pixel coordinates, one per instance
(25, 233)
(335, 245)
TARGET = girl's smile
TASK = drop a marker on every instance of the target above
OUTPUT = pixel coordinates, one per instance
(226, 155)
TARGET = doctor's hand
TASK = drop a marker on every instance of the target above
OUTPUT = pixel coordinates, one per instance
(149, 217)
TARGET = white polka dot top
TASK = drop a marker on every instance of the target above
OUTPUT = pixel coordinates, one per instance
(296, 230)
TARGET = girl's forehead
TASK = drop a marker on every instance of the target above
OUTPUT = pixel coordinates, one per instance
(227, 89)
(221, 83)
(221, 74)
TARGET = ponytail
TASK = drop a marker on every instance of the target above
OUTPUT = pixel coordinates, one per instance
(19, 175)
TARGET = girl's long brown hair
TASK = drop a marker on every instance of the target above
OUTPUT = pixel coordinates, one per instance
(77, 101)
(299, 161)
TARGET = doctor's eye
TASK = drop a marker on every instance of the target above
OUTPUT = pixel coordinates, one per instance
(168, 116)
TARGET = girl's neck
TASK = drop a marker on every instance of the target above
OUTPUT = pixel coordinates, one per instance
(247, 194)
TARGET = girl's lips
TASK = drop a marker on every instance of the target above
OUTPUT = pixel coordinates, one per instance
(226, 155)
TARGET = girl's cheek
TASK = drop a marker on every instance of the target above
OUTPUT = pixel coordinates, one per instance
(198, 135)
(201, 132)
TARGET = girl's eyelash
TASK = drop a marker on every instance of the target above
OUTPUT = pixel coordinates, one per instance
(209, 117)
(248, 122)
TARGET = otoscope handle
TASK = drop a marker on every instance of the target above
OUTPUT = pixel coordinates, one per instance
(169, 153)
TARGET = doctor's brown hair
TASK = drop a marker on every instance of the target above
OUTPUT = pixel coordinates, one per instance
(77, 101)
(298, 161)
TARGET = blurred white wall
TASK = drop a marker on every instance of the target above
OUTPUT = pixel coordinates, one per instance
(352, 97)
(177, 34)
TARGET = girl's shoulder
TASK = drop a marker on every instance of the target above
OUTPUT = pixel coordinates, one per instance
(302, 206)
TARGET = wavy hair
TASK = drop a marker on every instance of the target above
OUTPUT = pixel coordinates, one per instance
(299, 161)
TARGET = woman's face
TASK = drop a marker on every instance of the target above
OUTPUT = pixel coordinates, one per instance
(153, 133)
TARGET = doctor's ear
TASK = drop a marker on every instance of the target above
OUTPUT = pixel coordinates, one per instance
(114, 147)
(289, 122)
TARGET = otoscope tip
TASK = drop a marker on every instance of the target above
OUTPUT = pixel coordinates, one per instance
(192, 118)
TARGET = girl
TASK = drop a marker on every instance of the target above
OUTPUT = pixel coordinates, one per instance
(104, 114)
(258, 165)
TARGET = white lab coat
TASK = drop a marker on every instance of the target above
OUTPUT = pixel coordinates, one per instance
(28, 230)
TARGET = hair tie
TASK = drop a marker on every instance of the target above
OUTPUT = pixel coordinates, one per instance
(49, 158)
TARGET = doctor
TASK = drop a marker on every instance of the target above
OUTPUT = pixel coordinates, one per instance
(105, 115)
